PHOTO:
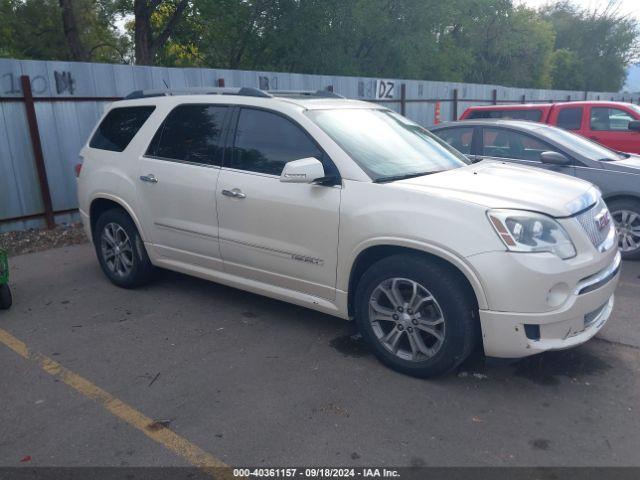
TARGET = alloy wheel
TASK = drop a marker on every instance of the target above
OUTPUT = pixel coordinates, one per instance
(628, 227)
(117, 250)
(406, 319)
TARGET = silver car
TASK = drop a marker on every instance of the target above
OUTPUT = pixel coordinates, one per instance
(617, 174)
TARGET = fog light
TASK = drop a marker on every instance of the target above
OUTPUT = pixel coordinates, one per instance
(558, 295)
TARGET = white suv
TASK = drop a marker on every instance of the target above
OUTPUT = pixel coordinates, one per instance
(351, 209)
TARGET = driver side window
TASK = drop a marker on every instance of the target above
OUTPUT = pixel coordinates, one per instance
(265, 141)
(610, 119)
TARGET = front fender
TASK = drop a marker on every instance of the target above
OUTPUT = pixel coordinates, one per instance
(346, 267)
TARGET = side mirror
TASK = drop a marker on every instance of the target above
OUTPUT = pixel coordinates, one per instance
(554, 158)
(305, 170)
(634, 125)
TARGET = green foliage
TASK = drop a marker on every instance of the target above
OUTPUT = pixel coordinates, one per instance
(480, 41)
(32, 29)
(603, 42)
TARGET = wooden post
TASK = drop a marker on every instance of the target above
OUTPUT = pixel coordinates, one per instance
(524, 98)
(403, 99)
(34, 133)
(454, 109)
(494, 96)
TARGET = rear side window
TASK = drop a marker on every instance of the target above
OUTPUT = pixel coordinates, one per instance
(266, 141)
(533, 115)
(458, 138)
(570, 118)
(190, 133)
(119, 127)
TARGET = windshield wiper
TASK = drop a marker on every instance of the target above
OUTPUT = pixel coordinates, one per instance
(393, 178)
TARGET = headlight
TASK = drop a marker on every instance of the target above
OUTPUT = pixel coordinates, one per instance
(523, 231)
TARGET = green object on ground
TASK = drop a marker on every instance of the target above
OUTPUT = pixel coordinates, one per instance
(4, 267)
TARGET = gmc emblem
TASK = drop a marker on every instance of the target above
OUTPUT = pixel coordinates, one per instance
(603, 219)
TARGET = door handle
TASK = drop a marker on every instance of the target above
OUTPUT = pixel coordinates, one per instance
(235, 193)
(151, 178)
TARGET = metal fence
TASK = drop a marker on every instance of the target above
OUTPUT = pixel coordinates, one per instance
(47, 110)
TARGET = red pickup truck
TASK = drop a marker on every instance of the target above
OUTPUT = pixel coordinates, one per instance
(613, 124)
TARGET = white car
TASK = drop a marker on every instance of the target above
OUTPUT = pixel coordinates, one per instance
(351, 209)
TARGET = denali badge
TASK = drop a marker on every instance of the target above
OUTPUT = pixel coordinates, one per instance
(603, 219)
(302, 258)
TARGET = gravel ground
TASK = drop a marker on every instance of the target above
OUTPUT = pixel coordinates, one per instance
(29, 241)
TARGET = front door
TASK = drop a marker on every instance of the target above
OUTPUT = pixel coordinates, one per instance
(283, 234)
(516, 147)
(177, 180)
(610, 127)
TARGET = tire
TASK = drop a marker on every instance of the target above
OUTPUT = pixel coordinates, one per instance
(121, 251)
(6, 299)
(452, 314)
(626, 214)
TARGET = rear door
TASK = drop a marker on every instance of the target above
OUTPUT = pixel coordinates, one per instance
(177, 180)
(609, 126)
(504, 144)
(283, 234)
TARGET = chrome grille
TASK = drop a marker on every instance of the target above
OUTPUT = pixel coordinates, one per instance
(588, 221)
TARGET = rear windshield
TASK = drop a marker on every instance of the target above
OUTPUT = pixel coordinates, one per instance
(533, 115)
(119, 127)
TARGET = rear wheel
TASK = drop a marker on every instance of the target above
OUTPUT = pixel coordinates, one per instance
(121, 251)
(417, 315)
(626, 215)
(6, 299)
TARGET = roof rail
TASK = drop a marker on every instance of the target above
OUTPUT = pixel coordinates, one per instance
(305, 93)
(244, 91)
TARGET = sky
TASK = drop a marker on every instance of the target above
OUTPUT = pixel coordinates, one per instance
(631, 7)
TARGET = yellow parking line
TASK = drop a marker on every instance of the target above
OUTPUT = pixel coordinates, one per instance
(164, 436)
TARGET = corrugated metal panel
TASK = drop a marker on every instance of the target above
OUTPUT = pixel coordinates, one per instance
(64, 126)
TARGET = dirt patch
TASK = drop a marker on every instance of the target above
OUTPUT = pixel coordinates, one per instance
(29, 241)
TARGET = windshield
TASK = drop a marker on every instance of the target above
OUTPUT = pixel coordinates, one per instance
(387, 145)
(581, 145)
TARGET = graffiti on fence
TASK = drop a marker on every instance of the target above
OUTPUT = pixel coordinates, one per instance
(64, 82)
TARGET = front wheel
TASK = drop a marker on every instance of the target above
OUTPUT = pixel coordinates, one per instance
(626, 215)
(418, 316)
(6, 299)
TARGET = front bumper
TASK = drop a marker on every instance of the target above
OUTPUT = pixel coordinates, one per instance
(584, 312)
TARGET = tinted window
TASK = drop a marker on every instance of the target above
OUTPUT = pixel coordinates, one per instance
(190, 133)
(119, 127)
(603, 118)
(570, 118)
(266, 141)
(458, 138)
(502, 143)
(525, 114)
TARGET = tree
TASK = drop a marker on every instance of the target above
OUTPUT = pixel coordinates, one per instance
(566, 71)
(604, 42)
(149, 38)
(70, 28)
(35, 29)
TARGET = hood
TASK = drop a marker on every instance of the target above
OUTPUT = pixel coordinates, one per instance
(630, 165)
(501, 185)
